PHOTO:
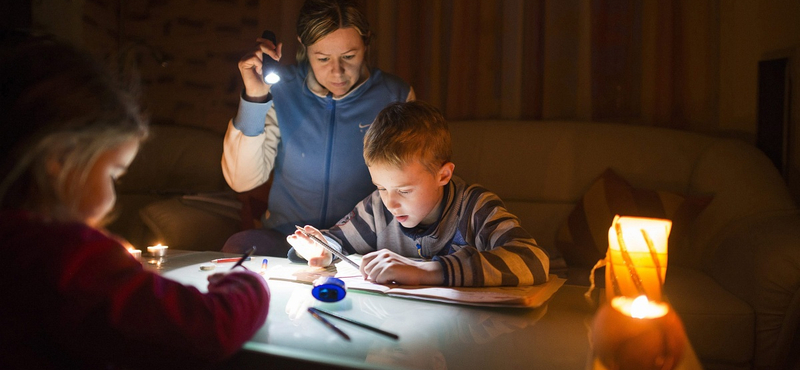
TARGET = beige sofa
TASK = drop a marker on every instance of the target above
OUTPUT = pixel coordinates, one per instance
(174, 192)
(737, 284)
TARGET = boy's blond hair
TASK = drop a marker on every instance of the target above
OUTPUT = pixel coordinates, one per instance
(408, 131)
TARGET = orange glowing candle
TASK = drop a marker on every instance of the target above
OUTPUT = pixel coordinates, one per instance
(636, 261)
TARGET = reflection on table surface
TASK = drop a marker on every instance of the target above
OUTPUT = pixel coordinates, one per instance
(432, 335)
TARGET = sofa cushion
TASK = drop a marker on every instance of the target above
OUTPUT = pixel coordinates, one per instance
(540, 219)
(176, 160)
(583, 238)
(186, 226)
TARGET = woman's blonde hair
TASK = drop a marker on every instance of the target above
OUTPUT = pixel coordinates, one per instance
(59, 106)
(404, 132)
(319, 18)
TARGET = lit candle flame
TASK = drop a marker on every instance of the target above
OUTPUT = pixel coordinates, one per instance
(640, 308)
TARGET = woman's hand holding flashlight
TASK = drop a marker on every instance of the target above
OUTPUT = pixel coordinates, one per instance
(250, 67)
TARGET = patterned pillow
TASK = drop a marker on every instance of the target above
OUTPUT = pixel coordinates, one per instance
(583, 238)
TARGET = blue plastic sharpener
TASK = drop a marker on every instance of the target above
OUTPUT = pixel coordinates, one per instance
(328, 289)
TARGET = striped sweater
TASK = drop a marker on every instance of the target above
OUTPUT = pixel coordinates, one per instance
(476, 240)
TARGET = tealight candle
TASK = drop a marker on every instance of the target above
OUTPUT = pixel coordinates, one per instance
(635, 333)
(136, 253)
(157, 250)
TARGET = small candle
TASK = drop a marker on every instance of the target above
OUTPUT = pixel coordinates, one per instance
(157, 250)
(135, 253)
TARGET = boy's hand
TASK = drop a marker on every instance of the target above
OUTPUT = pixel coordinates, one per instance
(315, 254)
(384, 266)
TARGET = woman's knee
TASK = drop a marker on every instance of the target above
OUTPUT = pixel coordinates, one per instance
(267, 243)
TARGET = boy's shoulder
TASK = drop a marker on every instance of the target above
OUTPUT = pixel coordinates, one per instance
(469, 189)
(474, 195)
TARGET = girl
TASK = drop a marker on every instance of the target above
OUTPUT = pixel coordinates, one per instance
(73, 297)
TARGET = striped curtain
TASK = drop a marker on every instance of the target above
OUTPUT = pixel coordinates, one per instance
(643, 62)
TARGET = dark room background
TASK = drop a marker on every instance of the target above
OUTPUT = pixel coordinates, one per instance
(684, 64)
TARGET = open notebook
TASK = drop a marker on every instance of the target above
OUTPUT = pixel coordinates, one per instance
(522, 297)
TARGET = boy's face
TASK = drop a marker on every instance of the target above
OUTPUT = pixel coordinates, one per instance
(411, 193)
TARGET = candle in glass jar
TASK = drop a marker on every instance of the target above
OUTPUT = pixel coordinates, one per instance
(636, 261)
(636, 333)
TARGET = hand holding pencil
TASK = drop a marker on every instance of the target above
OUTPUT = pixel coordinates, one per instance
(308, 248)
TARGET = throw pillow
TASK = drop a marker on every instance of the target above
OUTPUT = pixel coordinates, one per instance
(583, 238)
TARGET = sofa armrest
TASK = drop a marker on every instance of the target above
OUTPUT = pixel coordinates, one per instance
(758, 260)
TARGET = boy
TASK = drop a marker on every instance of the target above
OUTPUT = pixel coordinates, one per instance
(463, 234)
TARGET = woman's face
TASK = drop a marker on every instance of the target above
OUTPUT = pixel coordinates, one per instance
(337, 60)
(97, 196)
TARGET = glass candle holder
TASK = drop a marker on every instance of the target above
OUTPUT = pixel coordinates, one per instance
(636, 260)
(635, 333)
(158, 255)
(136, 253)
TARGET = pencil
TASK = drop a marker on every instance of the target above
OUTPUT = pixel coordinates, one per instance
(229, 259)
(245, 257)
(327, 323)
(328, 247)
(361, 324)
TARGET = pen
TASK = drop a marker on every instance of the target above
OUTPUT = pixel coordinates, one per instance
(327, 323)
(264, 264)
(230, 259)
(244, 257)
(361, 324)
(328, 247)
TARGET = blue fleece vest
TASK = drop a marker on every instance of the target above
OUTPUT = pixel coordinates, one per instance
(319, 173)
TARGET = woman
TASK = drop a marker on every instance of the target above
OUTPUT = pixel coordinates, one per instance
(73, 296)
(309, 127)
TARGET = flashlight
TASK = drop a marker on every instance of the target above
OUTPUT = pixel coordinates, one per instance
(269, 66)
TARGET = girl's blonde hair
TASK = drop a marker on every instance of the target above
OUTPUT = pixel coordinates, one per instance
(59, 106)
(319, 18)
(409, 131)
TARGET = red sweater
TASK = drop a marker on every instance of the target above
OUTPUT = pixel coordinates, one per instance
(71, 297)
